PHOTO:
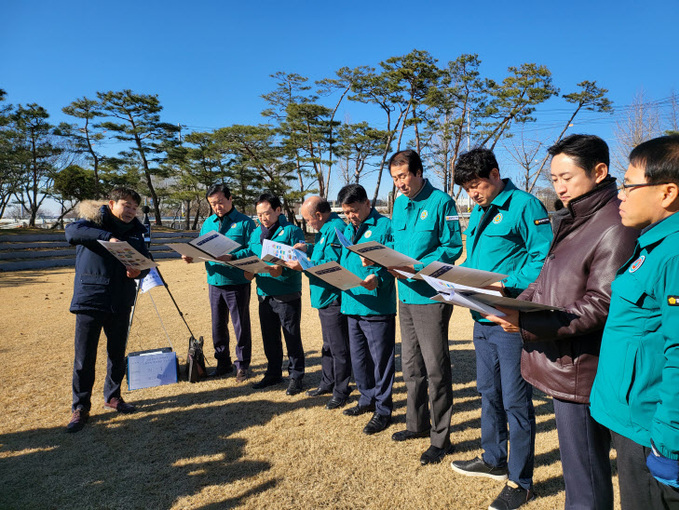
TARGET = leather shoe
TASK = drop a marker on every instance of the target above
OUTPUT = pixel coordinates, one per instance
(358, 410)
(242, 375)
(317, 392)
(377, 423)
(404, 435)
(336, 403)
(118, 404)
(294, 387)
(221, 370)
(266, 382)
(78, 420)
(434, 455)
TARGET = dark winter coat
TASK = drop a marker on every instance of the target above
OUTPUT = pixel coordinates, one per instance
(561, 349)
(101, 283)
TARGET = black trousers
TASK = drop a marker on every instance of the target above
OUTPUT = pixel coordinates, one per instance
(585, 447)
(425, 361)
(233, 300)
(335, 357)
(276, 315)
(638, 488)
(88, 326)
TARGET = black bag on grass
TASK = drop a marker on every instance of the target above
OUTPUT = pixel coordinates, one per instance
(195, 360)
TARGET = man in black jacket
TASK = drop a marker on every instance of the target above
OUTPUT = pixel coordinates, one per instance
(103, 295)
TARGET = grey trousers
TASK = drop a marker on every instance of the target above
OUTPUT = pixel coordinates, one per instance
(425, 361)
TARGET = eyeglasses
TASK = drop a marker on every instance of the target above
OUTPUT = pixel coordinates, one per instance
(627, 188)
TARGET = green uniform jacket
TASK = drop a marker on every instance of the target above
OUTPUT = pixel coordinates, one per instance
(290, 281)
(512, 236)
(326, 248)
(236, 226)
(360, 301)
(425, 228)
(636, 389)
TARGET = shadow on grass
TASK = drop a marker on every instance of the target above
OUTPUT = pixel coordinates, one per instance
(153, 458)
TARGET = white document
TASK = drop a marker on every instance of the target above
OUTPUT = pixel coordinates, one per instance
(481, 300)
(377, 253)
(447, 293)
(209, 247)
(460, 275)
(127, 255)
(335, 275)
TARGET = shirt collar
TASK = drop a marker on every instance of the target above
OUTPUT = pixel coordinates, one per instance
(502, 198)
(659, 230)
(328, 225)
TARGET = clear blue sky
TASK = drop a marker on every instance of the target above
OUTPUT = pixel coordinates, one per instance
(210, 61)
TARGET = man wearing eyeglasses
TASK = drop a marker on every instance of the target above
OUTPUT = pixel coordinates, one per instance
(561, 348)
(635, 391)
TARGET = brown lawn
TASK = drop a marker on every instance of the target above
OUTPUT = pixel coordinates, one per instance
(217, 444)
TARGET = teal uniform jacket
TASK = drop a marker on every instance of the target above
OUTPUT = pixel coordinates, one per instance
(636, 389)
(290, 281)
(236, 226)
(360, 301)
(512, 236)
(326, 248)
(425, 228)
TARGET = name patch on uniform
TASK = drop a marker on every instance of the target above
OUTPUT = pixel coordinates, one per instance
(637, 264)
(452, 218)
(673, 300)
(368, 234)
(498, 218)
(424, 215)
(541, 221)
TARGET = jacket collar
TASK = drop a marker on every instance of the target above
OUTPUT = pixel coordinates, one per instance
(503, 197)
(659, 231)
(590, 202)
(423, 194)
(328, 225)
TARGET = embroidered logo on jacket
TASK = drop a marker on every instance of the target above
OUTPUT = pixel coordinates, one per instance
(424, 215)
(498, 218)
(368, 234)
(637, 264)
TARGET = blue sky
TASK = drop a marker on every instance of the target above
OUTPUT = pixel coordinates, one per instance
(210, 61)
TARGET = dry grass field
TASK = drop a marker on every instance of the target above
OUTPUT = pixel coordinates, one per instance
(218, 444)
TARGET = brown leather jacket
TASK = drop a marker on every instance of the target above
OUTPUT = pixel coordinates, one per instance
(561, 349)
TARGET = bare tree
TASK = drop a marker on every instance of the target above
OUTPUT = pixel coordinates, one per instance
(640, 123)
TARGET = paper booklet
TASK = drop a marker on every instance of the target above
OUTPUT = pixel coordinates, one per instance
(279, 253)
(208, 247)
(458, 275)
(251, 264)
(128, 255)
(480, 300)
(335, 275)
(378, 253)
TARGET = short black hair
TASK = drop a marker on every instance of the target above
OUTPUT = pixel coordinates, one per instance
(352, 194)
(587, 151)
(272, 199)
(407, 157)
(216, 188)
(474, 164)
(660, 159)
(124, 193)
